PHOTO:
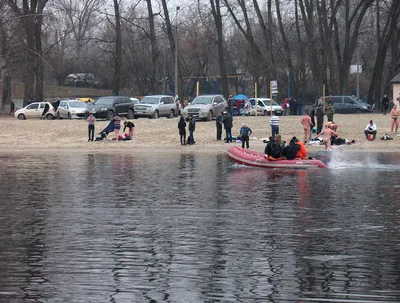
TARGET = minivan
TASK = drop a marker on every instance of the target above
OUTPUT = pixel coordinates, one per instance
(348, 105)
(155, 106)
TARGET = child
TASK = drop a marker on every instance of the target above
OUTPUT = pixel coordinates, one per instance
(91, 119)
(117, 125)
(130, 126)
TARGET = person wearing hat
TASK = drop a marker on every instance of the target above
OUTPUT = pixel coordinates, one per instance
(245, 133)
(370, 130)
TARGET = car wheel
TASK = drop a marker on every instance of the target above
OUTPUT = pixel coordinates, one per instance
(58, 116)
(210, 116)
(171, 114)
(69, 115)
(21, 117)
(49, 117)
(357, 111)
(156, 115)
(130, 114)
(110, 115)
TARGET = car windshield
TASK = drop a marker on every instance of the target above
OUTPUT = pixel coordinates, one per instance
(105, 101)
(149, 100)
(202, 100)
(77, 104)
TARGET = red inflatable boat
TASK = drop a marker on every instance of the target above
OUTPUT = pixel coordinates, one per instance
(253, 158)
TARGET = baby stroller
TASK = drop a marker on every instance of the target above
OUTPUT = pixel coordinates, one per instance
(103, 134)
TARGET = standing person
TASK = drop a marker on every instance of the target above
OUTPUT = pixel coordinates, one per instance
(385, 104)
(182, 130)
(330, 101)
(117, 125)
(291, 106)
(245, 133)
(230, 104)
(394, 113)
(228, 124)
(328, 133)
(45, 110)
(91, 119)
(285, 106)
(178, 107)
(192, 128)
(274, 122)
(130, 126)
(330, 112)
(307, 126)
(312, 115)
(185, 103)
(320, 118)
(370, 130)
(218, 122)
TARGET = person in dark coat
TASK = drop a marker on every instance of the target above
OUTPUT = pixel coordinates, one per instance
(182, 130)
(320, 118)
(228, 123)
(192, 128)
(385, 104)
(218, 122)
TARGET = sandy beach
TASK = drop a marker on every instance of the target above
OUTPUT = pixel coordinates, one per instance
(161, 135)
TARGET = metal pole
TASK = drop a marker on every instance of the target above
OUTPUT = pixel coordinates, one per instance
(358, 73)
(288, 90)
(176, 54)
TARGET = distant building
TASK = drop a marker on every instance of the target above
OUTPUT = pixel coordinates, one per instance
(396, 89)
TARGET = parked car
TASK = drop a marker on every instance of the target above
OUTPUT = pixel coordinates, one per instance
(71, 109)
(107, 107)
(35, 110)
(135, 100)
(155, 106)
(264, 107)
(348, 105)
(205, 107)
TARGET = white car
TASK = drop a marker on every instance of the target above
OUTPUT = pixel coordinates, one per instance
(264, 107)
(71, 109)
(35, 110)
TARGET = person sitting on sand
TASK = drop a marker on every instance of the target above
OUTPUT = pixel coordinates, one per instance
(328, 133)
(395, 121)
(370, 130)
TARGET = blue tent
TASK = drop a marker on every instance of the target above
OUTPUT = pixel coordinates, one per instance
(240, 97)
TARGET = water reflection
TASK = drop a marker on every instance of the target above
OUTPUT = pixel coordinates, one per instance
(195, 228)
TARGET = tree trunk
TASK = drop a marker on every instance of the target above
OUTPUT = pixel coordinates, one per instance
(216, 11)
(154, 49)
(118, 51)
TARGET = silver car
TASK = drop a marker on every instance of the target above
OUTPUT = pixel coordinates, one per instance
(264, 107)
(205, 107)
(71, 109)
(155, 106)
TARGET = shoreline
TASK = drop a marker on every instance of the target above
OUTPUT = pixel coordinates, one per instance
(161, 135)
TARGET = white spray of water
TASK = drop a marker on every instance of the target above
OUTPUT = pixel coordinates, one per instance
(362, 160)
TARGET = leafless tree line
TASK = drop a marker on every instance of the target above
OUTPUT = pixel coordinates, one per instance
(308, 43)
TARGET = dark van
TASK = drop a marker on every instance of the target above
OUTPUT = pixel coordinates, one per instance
(348, 105)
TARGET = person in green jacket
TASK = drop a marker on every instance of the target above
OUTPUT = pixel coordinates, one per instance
(330, 112)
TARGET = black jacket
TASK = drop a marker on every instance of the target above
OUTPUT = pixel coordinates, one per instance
(228, 121)
(192, 124)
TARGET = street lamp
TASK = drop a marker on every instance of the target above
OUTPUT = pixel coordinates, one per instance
(176, 54)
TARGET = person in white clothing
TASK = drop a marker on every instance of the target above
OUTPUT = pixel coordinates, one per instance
(274, 122)
(370, 130)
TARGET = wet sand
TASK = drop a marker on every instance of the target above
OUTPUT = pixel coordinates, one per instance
(161, 135)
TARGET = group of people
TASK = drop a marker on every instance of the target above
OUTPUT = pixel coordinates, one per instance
(291, 106)
(276, 149)
(182, 130)
(116, 121)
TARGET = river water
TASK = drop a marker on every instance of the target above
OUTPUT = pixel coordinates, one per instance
(197, 228)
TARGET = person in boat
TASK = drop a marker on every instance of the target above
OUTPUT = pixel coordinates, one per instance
(278, 139)
(302, 152)
(182, 130)
(290, 151)
(370, 130)
(327, 134)
(245, 133)
(273, 149)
